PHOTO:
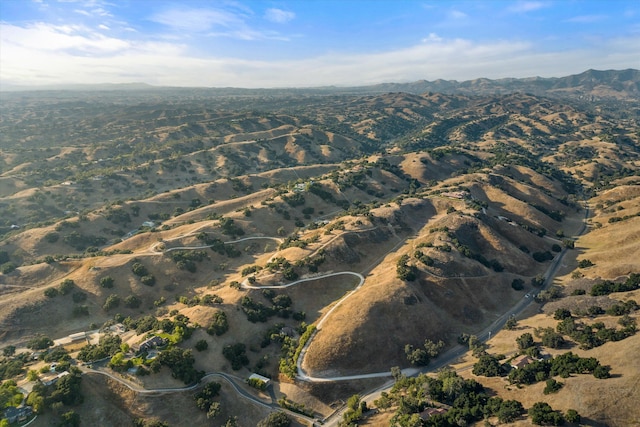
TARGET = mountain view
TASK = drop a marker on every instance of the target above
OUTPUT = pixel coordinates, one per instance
(346, 213)
(162, 246)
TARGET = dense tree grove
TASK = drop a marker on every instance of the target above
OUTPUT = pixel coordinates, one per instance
(563, 365)
(275, 419)
(205, 399)
(467, 401)
(180, 361)
(107, 346)
(236, 354)
(421, 356)
(607, 287)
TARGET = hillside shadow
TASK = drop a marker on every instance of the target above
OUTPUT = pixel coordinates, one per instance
(589, 422)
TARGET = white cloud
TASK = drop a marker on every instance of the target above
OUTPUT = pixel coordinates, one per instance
(197, 20)
(47, 54)
(456, 14)
(527, 6)
(231, 22)
(432, 38)
(45, 38)
(279, 16)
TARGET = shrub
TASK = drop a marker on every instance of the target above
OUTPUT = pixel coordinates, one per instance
(79, 296)
(80, 310)
(517, 284)
(7, 267)
(236, 354)
(202, 345)
(148, 280)
(51, 237)
(107, 282)
(112, 301)
(39, 342)
(542, 256)
(584, 263)
(132, 301)
(139, 269)
(219, 323)
(66, 286)
(51, 292)
(552, 386)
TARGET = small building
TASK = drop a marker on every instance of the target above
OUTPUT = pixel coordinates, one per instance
(52, 377)
(150, 343)
(299, 187)
(49, 378)
(521, 361)
(19, 414)
(430, 412)
(78, 336)
(258, 377)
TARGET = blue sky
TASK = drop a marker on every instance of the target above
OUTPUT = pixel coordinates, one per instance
(302, 43)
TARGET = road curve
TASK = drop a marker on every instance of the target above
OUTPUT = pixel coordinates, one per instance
(154, 250)
(300, 372)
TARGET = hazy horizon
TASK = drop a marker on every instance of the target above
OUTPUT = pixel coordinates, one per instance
(294, 44)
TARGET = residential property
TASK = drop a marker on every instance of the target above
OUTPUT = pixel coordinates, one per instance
(521, 361)
(52, 377)
(430, 412)
(150, 343)
(19, 414)
(299, 187)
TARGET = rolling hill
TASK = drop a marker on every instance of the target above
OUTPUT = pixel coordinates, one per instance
(364, 220)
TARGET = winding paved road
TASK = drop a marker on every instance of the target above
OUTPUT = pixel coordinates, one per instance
(444, 359)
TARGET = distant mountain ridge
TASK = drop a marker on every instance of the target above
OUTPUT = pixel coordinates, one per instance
(591, 85)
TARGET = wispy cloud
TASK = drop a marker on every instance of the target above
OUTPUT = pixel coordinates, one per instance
(197, 20)
(54, 39)
(587, 19)
(232, 22)
(456, 14)
(279, 16)
(527, 6)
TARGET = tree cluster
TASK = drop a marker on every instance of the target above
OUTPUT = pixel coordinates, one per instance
(467, 399)
(205, 399)
(405, 271)
(180, 361)
(421, 356)
(219, 323)
(236, 354)
(108, 346)
(607, 287)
